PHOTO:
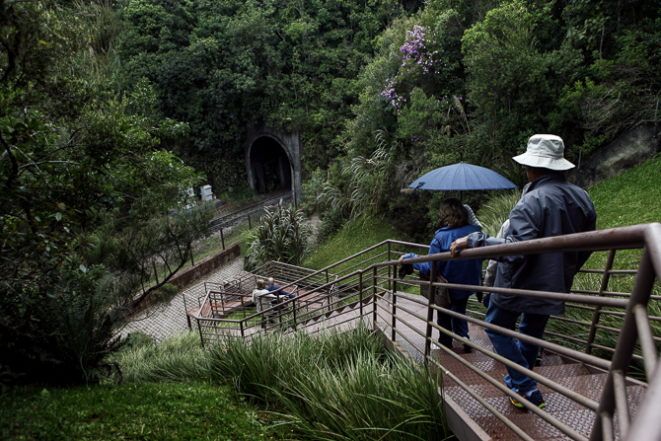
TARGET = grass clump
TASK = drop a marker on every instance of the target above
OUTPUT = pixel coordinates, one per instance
(494, 213)
(173, 411)
(334, 386)
(177, 359)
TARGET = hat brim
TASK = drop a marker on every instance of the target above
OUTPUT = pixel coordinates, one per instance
(543, 162)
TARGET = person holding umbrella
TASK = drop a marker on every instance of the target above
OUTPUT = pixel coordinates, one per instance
(453, 220)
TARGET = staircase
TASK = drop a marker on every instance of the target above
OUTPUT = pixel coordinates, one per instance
(577, 386)
(575, 376)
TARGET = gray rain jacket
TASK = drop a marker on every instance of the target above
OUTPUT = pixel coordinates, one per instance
(551, 207)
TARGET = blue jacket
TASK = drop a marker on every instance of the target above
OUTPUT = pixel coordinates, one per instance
(551, 207)
(468, 271)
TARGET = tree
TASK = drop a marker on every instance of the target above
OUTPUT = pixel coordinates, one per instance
(67, 178)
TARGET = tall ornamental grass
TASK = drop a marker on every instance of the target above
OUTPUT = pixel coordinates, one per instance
(332, 386)
(282, 235)
(365, 400)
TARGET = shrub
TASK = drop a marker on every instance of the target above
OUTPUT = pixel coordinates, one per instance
(166, 292)
(69, 333)
(331, 222)
(282, 235)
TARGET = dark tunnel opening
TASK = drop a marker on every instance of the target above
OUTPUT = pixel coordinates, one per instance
(270, 166)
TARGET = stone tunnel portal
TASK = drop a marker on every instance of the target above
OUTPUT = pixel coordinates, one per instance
(270, 165)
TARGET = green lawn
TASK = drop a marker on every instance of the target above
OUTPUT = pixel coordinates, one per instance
(137, 411)
(632, 198)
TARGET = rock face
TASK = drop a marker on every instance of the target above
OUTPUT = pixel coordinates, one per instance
(630, 149)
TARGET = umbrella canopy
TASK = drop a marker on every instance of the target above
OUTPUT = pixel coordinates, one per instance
(462, 177)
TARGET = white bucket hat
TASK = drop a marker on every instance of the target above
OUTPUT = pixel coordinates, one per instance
(545, 151)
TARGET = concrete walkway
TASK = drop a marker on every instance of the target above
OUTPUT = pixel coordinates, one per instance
(168, 319)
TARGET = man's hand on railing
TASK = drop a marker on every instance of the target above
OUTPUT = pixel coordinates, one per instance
(458, 245)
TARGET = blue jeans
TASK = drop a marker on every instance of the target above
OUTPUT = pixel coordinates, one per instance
(517, 351)
(456, 325)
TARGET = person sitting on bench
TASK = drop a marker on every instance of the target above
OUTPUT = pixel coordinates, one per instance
(278, 292)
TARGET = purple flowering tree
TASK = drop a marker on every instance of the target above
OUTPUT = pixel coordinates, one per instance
(422, 66)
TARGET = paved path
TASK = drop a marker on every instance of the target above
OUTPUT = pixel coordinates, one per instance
(169, 319)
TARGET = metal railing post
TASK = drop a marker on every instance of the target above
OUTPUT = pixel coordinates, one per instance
(597, 309)
(394, 302)
(394, 267)
(374, 298)
(201, 336)
(190, 326)
(328, 291)
(153, 262)
(222, 237)
(293, 303)
(249, 222)
(626, 341)
(191, 257)
(430, 310)
(360, 292)
(241, 326)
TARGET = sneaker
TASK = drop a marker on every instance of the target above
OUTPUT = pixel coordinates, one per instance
(467, 349)
(535, 397)
(514, 401)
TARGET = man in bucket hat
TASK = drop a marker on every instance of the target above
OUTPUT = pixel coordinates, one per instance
(550, 206)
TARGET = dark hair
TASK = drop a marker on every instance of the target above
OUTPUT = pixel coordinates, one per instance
(452, 214)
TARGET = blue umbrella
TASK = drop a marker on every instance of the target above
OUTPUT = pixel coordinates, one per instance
(462, 177)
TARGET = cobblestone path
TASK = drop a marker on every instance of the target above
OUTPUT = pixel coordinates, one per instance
(168, 319)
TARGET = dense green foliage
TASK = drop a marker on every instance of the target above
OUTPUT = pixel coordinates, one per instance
(97, 99)
(380, 95)
(222, 66)
(472, 80)
(176, 411)
(86, 192)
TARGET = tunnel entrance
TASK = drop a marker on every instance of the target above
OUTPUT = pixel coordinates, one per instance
(270, 165)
